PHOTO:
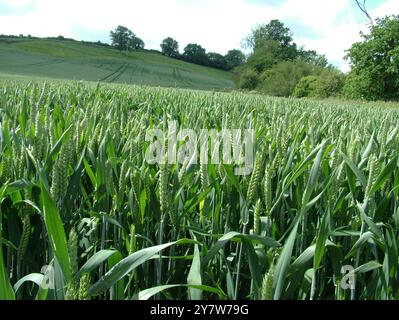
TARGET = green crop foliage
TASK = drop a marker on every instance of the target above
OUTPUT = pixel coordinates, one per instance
(76, 194)
(55, 59)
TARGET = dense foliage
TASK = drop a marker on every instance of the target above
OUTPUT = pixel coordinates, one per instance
(375, 63)
(281, 79)
(277, 60)
(329, 83)
(124, 39)
(196, 54)
(170, 47)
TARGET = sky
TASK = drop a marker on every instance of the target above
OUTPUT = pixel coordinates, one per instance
(327, 26)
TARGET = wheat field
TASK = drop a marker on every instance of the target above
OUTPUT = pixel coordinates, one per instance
(78, 195)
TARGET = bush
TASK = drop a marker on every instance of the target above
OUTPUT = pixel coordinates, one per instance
(306, 87)
(248, 79)
(330, 83)
(361, 86)
(283, 77)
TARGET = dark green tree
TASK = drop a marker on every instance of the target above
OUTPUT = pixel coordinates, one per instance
(234, 58)
(170, 47)
(136, 43)
(271, 44)
(124, 39)
(265, 56)
(216, 60)
(274, 31)
(121, 38)
(312, 57)
(195, 53)
(375, 63)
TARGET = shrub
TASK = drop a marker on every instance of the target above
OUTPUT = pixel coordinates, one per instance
(360, 86)
(306, 87)
(282, 78)
(330, 83)
(249, 79)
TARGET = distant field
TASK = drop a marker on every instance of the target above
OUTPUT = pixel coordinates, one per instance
(73, 60)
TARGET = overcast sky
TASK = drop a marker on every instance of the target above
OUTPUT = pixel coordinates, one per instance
(328, 26)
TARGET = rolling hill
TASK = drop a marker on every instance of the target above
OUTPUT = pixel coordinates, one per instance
(64, 59)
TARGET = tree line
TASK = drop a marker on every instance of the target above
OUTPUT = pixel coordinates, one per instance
(125, 40)
(195, 53)
(277, 66)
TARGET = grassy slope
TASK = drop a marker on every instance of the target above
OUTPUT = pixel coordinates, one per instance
(74, 60)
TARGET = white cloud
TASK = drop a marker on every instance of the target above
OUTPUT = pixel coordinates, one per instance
(217, 25)
(16, 3)
(337, 26)
(388, 7)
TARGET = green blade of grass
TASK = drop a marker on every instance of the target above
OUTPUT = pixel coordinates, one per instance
(127, 265)
(283, 263)
(194, 276)
(56, 232)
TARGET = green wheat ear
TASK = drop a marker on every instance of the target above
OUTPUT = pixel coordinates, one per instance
(132, 243)
(84, 284)
(20, 165)
(122, 182)
(255, 179)
(163, 187)
(267, 190)
(183, 169)
(59, 174)
(204, 176)
(372, 166)
(267, 284)
(38, 146)
(73, 251)
(134, 182)
(6, 165)
(72, 292)
(257, 214)
(26, 232)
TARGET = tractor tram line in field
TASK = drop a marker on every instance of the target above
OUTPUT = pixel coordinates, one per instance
(115, 74)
